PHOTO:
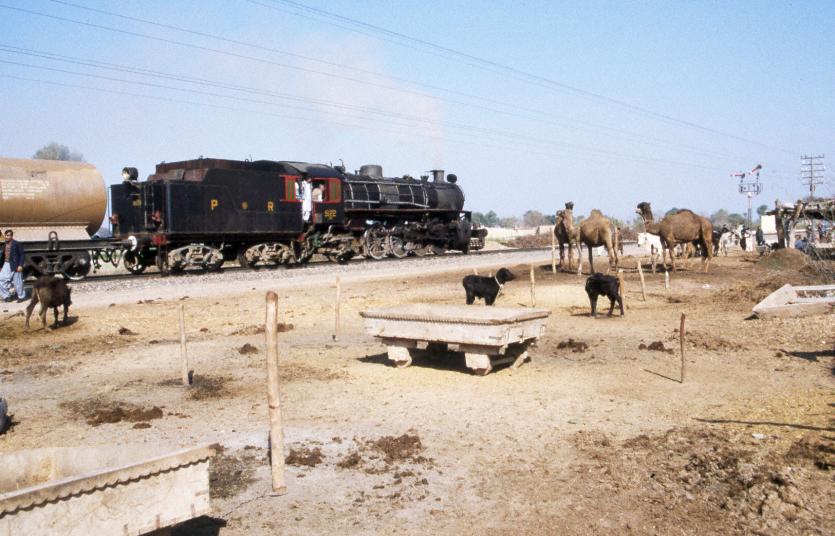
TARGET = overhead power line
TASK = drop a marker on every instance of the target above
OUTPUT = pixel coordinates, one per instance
(509, 70)
(74, 60)
(530, 113)
(425, 133)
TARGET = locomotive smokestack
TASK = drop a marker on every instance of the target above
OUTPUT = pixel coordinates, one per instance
(372, 170)
(437, 175)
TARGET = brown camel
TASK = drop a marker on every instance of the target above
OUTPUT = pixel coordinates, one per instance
(596, 231)
(564, 232)
(682, 227)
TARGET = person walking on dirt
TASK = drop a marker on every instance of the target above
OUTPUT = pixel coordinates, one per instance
(11, 260)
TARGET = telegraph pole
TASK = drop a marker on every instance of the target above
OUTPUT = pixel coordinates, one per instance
(811, 172)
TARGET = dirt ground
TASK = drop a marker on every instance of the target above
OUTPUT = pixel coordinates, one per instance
(595, 435)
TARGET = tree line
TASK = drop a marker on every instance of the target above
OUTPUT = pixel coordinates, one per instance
(535, 218)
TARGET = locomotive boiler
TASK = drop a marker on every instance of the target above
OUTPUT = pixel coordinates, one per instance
(198, 213)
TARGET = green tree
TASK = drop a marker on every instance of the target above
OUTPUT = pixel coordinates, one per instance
(735, 219)
(487, 220)
(57, 151)
(762, 209)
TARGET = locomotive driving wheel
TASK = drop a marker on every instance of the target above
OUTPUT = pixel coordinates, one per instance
(374, 242)
(397, 246)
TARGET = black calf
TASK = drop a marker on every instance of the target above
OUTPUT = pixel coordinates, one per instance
(603, 285)
(486, 288)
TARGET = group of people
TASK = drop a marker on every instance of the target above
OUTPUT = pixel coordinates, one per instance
(11, 273)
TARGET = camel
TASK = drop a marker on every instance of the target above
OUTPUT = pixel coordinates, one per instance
(595, 231)
(683, 227)
(564, 231)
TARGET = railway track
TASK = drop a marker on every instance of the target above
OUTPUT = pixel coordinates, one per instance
(233, 268)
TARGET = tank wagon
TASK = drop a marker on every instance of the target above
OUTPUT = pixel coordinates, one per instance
(199, 213)
(54, 207)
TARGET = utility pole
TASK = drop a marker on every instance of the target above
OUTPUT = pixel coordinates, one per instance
(749, 186)
(811, 172)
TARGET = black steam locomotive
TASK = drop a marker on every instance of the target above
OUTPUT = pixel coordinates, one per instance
(199, 213)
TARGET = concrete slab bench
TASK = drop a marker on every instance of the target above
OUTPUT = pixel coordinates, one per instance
(487, 336)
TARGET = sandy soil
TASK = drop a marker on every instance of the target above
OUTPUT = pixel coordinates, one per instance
(594, 436)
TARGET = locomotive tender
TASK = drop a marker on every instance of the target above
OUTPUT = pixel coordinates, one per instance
(199, 213)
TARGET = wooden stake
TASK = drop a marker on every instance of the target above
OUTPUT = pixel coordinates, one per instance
(579, 259)
(336, 308)
(276, 427)
(554, 252)
(533, 288)
(643, 285)
(183, 350)
(681, 338)
(475, 271)
(622, 288)
(667, 280)
(652, 258)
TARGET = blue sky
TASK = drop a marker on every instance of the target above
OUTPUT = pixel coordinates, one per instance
(629, 101)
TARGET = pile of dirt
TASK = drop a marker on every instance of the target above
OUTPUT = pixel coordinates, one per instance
(707, 341)
(97, 412)
(395, 449)
(230, 475)
(209, 387)
(281, 327)
(749, 293)
(656, 346)
(784, 259)
(247, 349)
(706, 478)
(310, 457)
(575, 346)
(298, 372)
(531, 241)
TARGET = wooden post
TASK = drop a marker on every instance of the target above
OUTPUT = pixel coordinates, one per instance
(554, 252)
(183, 350)
(533, 288)
(667, 280)
(336, 308)
(475, 271)
(652, 258)
(276, 427)
(622, 288)
(643, 286)
(681, 339)
(579, 259)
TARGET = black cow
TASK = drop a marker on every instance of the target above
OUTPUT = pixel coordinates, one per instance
(486, 287)
(604, 285)
(51, 292)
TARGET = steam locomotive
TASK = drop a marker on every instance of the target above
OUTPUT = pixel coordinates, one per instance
(200, 213)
